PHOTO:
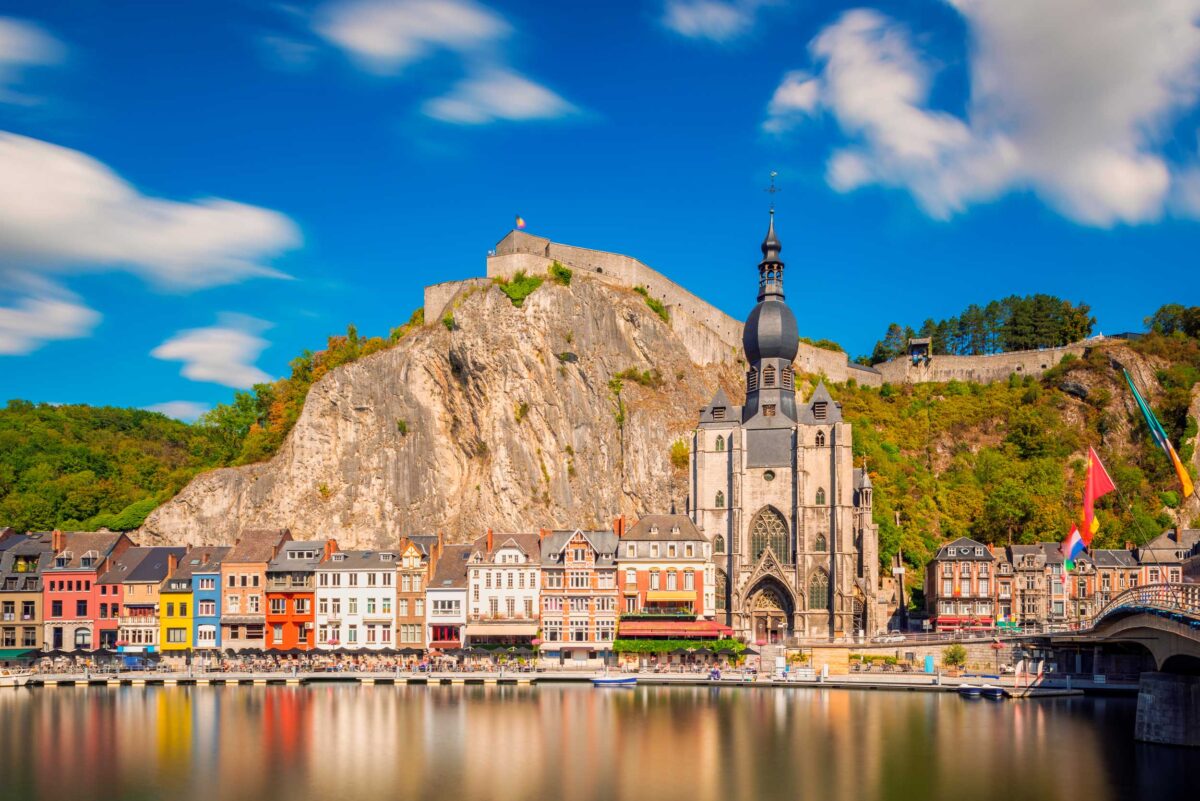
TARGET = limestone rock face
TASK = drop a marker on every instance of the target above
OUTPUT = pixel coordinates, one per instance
(509, 421)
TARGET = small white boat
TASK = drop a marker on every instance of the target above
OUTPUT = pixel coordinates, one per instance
(614, 681)
(969, 691)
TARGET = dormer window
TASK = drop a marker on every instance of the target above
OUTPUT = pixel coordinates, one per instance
(820, 410)
(718, 413)
(979, 551)
(654, 529)
(339, 557)
(769, 376)
(387, 557)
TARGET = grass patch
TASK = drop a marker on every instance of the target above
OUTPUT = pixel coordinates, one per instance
(560, 274)
(654, 303)
(519, 287)
(645, 378)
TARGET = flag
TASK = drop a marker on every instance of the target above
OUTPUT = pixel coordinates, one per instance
(1071, 547)
(520, 222)
(1097, 486)
(1160, 438)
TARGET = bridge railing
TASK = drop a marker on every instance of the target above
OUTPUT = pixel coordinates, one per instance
(1170, 598)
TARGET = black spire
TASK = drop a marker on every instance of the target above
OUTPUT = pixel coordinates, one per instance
(770, 269)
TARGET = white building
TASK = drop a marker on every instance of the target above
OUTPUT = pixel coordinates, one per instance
(356, 600)
(503, 580)
(446, 598)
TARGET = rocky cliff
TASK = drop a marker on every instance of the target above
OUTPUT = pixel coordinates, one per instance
(507, 419)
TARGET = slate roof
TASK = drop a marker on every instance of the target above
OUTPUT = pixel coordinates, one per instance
(676, 528)
(80, 543)
(257, 545)
(155, 566)
(1115, 557)
(833, 409)
(732, 416)
(603, 542)
(528, 544)
(862, 479)
(284, 562)
(451, 570)
(37, 544)
(424, 542)
(202, 559)
(970, 547)
(359, 560)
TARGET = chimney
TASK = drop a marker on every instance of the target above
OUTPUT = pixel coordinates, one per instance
(489, 541)
(619, 526)
(991, 549)
(331, 547)
(542, 532)
(172, 563)
(57, 540)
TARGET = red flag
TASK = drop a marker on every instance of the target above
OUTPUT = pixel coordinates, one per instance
(1098, 485)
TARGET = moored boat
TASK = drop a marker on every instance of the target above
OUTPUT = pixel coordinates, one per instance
(969, 691)
(614, 681)
(993, 692)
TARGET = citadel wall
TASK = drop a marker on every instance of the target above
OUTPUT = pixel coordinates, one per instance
(712, 336)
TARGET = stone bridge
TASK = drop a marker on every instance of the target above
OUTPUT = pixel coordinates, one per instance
(1164, 620)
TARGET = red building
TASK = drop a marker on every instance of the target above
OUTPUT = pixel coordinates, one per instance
(291, 594)
(71, 600)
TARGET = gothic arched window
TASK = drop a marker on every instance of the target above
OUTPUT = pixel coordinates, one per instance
(821, 545)
(719, 544)
(769, 376)
(818, 591)
(820, 496)
(721, 589)
(769, 530)
(820, 439)
(720, 443)
(720, 502)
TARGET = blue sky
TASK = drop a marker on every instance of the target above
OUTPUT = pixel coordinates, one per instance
(192, 193)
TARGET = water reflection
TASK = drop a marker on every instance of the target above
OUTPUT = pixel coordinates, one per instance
(568, 743)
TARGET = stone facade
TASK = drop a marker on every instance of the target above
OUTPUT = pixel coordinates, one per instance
(775, 491)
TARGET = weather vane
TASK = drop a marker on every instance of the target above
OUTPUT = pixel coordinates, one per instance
(772, 189)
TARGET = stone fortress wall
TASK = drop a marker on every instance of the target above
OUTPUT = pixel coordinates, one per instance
(712, 336)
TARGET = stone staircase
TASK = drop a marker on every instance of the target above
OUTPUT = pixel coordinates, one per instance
(767, 657)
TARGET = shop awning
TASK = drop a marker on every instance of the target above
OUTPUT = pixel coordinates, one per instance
(501, 629)
(672, 596)
(676, 629)
(15, 653)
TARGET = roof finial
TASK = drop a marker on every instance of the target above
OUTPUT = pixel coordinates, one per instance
(772, 189)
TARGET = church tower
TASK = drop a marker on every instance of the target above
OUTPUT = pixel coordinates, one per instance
(775, 490)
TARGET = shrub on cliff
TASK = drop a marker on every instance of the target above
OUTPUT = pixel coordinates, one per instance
(560, 274)
(519, 287)
(654, 303)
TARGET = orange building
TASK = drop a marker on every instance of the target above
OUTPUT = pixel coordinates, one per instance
(244, 579)
(291, 594)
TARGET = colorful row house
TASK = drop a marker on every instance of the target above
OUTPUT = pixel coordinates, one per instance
(356, 600)
(23, 557)
(503, 582)
(579, 595)
(81, 614)
(291, 594)
(206, 597)
(244, 581)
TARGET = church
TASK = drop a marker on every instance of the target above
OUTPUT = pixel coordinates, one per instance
(773, 487)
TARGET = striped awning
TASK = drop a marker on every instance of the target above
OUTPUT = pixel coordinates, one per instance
(671, 596)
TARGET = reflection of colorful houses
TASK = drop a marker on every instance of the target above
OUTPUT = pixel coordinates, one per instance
(291, 594)
(206, 598)
(80, 614)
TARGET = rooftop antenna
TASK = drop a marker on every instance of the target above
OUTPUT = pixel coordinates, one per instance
(772, 189)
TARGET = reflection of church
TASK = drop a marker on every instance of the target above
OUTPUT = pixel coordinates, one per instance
(774, 488)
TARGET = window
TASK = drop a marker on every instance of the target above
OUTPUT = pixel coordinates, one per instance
(689, 580)
(719, 544)
(721, 590)
(720, 501)
(630, 550)
(303, 606)
(768, 410)
(718, 413)
(528, 607)
(232, 604)
(206, 608)
(177, 636)
(671, 550)
(769, 531)
(252, 604)
(579, 554)
(170, 610)
(751, 386)
(820, 409)
(820, 496)
(947, 586)
(420, 607)
(768, 378)
(278, 606)
(83, 639)
(352, 632)
(208, 584)
(820, 439)
(352, 605)
(818, 591)
(402, 607)
(672, 581)
(654, 549)
(821, 545)
(81, 609)
(579, 580)
(720, 443)
(654, 579)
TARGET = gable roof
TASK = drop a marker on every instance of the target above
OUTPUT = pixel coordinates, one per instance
(833, 410)
(604, 543)
(359, 560)
(201, 559)
(286, 560)
(257, 545)
(154, 567)
(80, 543)
(964, 549)
(664, 527)
(527, 543)
(451, 570)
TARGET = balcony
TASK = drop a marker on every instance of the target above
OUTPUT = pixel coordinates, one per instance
(140, 620)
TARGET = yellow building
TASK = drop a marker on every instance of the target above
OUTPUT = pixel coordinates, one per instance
(175, 608)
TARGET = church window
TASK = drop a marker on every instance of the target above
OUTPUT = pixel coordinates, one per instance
(720, 502)
(769, 376)
(718, 413)
(820, 496)
(722, 584)
(820, 439)
(752, 380)
(719, 544)
(789, 380)
(818, 591)
(769, 531)
(720, 443)
(821, 545)
(819, 410)
(768, 410)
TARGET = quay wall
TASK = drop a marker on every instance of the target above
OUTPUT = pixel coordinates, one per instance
(981, 657)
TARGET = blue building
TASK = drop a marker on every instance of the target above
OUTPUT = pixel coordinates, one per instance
(206, 598)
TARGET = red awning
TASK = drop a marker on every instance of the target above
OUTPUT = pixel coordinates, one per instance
(678, 629)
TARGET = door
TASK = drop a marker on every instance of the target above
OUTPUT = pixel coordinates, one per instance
(57, 638)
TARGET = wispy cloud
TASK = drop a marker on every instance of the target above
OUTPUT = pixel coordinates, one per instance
(386, 37)
(179, 409)
(720, 21)
(1082, 122)
(497, 95)
(222, 354)
(35, 320)
(23, 45)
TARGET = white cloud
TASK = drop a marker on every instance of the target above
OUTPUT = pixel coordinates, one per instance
(385, 36)
(794, 99)
(1072, 100)
(61, 210)
(34, 320)
(716, 20)
(497, 95)
(179, 409)
(222, 354)
(23, 44)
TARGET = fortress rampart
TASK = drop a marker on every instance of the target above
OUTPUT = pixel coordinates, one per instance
(712, 336)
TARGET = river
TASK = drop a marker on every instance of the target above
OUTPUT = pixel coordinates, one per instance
(571, 743)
